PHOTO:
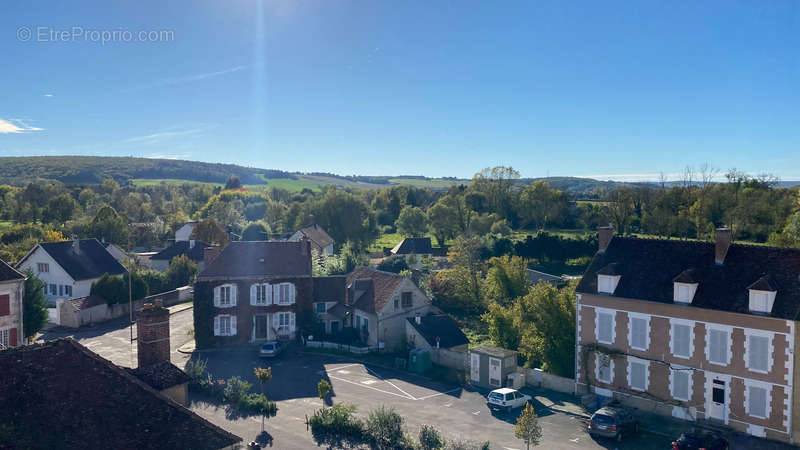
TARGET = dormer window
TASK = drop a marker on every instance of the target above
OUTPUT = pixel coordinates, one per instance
(762, 295)
(607, 284)
(684, 286)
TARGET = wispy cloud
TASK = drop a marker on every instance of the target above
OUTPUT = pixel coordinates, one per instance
(48, 95)
(167, 134)
(186, 79)
(173, 156)
(16, 126)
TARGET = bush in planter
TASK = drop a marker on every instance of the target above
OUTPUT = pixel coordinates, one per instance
(236, 390)
(258, 404)
(430, 438)
(337, 426)
(384, 430)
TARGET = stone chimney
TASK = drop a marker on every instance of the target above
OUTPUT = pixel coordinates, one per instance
(152, 331)
(604, 236)
(76, 244)
(210, 253)
(191, 243)
(305, 246)
(724, 237)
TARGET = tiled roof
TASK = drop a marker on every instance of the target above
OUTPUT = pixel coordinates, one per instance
(497, 352)
(161, 375)
(68, 397)
(91, 260)
(8, 273)
(182, 248)
(260, 258)
(318, 236)
(441, 326)
(369, 289)
(87, 302)
(330, 289)
(419, 246)
(648, 267)
(534, 276)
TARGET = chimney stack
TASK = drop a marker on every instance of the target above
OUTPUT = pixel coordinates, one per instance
(152, 331)
(724, 237)
(76, 244)
(210, 253)
(305, 246)
(191, 243)
(418, 319)
(604, 236)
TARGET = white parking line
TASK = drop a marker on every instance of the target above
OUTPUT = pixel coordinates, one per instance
(439, 393)
(390, 383)
(343, 367)
(370, 387)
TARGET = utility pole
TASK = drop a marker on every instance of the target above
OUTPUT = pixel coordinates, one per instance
(130, 293)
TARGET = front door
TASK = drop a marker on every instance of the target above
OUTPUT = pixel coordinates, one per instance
(261, 326)
(717, 403)
(475, 368)
(494, 372)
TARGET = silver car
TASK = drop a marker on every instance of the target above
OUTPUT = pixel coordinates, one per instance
(270, 349)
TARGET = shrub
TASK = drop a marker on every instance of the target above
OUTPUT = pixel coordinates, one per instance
(258, 404)
(430, 438)
(236, 390)
(196, 369)
(384, 429)
(394, 264)
(337, 426)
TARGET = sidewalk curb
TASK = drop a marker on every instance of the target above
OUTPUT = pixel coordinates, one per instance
(176, 311)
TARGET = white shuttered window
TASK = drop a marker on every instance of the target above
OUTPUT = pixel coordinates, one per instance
(638, 333)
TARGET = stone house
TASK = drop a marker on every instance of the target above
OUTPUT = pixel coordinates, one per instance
(12, 290)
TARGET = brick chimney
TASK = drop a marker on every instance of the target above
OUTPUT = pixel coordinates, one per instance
(724, 237)
(152, 331)
(210, 253)
(604, 236)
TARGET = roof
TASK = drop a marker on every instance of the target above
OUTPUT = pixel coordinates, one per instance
(108, 405)
(370, 289)
(648, 267)
(242, 259)
(8, 273)
(87, 302)
(504, 390)
(491, 350)
(91, 260)
(182, 248)
(318, 236)
(340, 310)
(534, 276)
(441, 326)
(419, 246)
(330, 289)
(161, 375)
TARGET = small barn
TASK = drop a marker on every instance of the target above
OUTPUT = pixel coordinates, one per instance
(490, 366)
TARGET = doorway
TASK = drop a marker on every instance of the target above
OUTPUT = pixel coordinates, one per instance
(475, 368)
(717, 403)
(261, 326)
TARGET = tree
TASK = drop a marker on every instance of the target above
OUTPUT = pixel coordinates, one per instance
(394, 264)
(540, 204)
(546, 320)
(503, 331)
(210, 232)
(337, 427)
(233, 183)
(384, 429)
(34, 306)
(60, 208)
(620, 208)
(181, 271)
(255, 231)
(443, 220)
(111, 288)
(109, 225)
(527, 427)
(262, 375)
(430, 438)
(465, 254)
(507, 278)
(323, 388)
(412, 222)
(53, 236)
(357, 225)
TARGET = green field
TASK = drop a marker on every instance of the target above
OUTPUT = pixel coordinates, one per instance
(146, 182)
(432, 183)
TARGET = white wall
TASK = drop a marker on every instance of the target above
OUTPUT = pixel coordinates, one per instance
(392, 320)
(14, 289)
(56, 275)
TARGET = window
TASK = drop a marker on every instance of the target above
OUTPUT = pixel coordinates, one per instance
(758, 351)
(334, 326)
(260, 294)
(757, 401)
(606, 284)
(407, 300)
(761, 301)
(397, 303)
(5, 340)
(321, 307)
(358, 321)
(718, 346)
(639, 332)
(43, 267)
(684, 292)
(365, 324)
(68, 290)
(285, 293)
(225, 326)
(283, 319)
(60, 289)
(604, 327)
(53, 289)
(637, 374)
(604, 368)
(681, 343)
(680, 383)
(225, 295)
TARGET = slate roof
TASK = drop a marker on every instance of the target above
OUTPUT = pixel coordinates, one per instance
(370, 289)
(68, 397)
(648, 267)
(491, 350)
(442, 326)
(91, 260)
(8, 273)
(318, 236)
(87, 302)
(244, 259)
(161, 375)
(182, 248)
(534, 276)
(330, 289)
(418, 246)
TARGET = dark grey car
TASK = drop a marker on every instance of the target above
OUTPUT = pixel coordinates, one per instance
(612, 422)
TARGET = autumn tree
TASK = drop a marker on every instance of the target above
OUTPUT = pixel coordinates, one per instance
(527, 427)
(210, 232)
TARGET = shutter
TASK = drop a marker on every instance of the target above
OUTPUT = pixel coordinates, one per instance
(216, 326)
(293, 293)
(234, 294)
(276, 293)
(216, 296)
(12, 339)
(233, 325)
(268, 290)
(5, 305)
(253, 288)
(291, 322)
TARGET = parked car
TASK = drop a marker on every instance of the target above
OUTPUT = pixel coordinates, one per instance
(613, 422)
(696, 441)
(270, 349)
(506, 399)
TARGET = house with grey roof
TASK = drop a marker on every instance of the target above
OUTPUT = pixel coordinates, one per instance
(321, 241)
(12, 290)
(191, 248)
(69, 268)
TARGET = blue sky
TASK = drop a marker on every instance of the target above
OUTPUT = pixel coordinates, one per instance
(620, 90)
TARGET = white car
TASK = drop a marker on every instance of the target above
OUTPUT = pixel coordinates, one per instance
(506, 399)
